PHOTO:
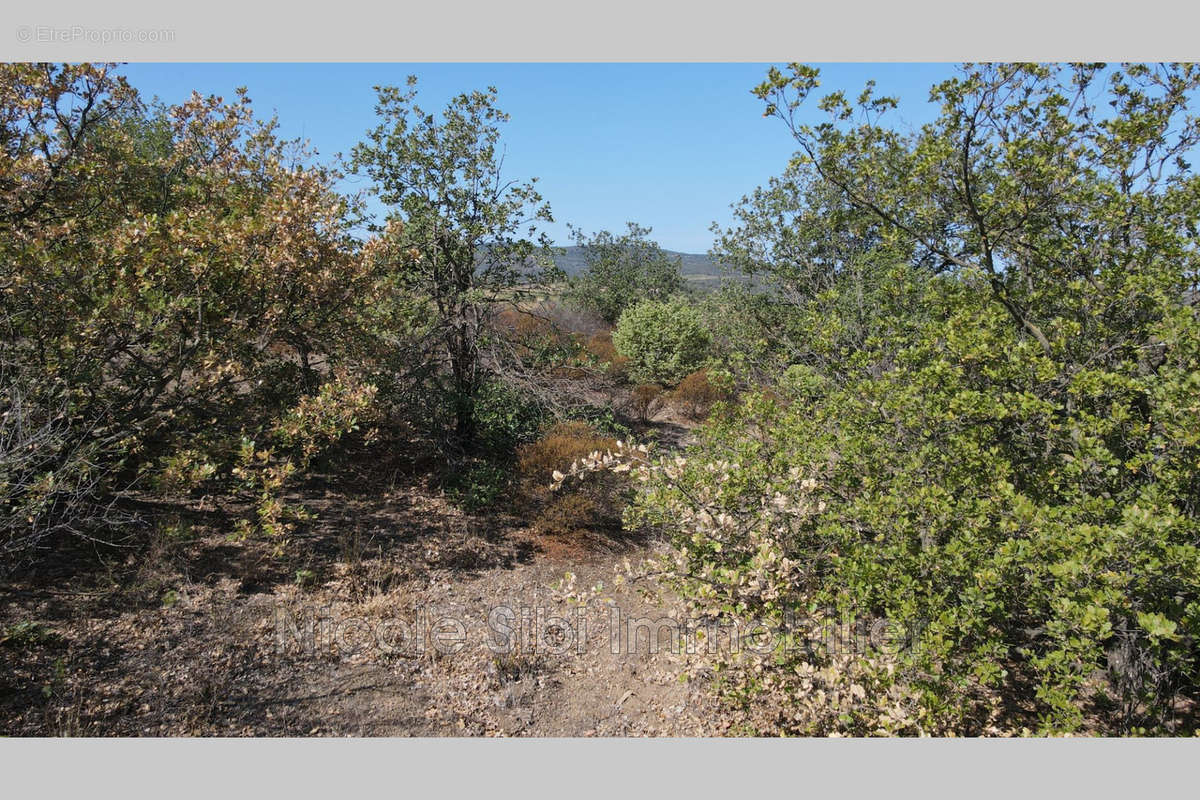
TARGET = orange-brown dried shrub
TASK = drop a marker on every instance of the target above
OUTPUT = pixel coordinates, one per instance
(696, 395)
(571, 373)
(645, 400)
(618, 368)
(529, 333)
(579, 505)
(600, 347)
(573, 514)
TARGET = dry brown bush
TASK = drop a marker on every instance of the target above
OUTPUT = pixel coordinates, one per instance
(600, 347)
(570, 319)
(556, 449)
(646, 399)
(695, 395)
(571, 372)
(618, 368)
(524, 327)
(573, 514)
(585, 505)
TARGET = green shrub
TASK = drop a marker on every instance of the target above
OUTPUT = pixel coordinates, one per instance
(477, 484)
(191, 301)
(664, 341)
(603, 420)
(1038, 547)
(621, 270)
(991, 442)
(505, 417)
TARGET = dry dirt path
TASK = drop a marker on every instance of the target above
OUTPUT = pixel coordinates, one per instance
(571, 680)
(214, 637)
(230, 656)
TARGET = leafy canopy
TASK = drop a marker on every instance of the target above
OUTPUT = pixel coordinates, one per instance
(621, 270)
(663, 340)
(983, 363)
(458, 235)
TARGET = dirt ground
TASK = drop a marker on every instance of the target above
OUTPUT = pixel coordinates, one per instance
(395, 615)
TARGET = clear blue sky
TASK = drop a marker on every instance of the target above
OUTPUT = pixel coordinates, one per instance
(666, 145)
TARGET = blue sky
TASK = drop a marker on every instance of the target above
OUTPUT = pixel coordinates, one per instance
(670, 146)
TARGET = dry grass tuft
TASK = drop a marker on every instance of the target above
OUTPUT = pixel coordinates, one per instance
(585, 506)
(696, 395)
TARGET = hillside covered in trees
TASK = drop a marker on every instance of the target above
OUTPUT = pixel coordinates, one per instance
(927, 463)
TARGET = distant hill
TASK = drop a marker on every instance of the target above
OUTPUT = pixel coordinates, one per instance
(698, 265)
